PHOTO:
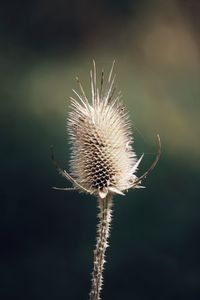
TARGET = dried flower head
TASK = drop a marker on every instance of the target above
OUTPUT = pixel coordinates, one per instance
(102, 156)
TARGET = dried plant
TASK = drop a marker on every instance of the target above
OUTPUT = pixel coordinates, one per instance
(103, 162)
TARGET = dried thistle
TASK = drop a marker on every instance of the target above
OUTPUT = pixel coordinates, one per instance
(103, 162)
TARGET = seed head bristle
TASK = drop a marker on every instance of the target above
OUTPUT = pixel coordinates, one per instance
(102, 157)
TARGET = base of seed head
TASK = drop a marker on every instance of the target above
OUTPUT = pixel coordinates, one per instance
(102, 158)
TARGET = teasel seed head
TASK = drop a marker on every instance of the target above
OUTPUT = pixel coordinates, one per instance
(102, 157)
(103, 161)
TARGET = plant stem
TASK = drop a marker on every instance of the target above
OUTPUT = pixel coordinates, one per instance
(105, 206)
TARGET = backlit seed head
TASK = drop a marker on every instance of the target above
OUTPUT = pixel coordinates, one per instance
(102, 157)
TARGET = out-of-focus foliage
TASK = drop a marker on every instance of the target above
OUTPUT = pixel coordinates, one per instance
(47, 237)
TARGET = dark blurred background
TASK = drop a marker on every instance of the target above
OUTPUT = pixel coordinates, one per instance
(47, 237)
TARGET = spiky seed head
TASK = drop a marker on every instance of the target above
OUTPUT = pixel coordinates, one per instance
(102, 157)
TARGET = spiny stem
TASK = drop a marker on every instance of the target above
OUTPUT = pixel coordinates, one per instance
(105, 206)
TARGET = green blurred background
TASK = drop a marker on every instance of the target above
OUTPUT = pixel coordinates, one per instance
(47, 237)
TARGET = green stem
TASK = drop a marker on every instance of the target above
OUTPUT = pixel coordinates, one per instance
(105, 206)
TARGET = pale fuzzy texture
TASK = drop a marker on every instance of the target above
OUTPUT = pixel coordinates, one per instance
(102, 158)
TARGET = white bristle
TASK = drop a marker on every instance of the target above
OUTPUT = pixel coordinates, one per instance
(102, 157)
